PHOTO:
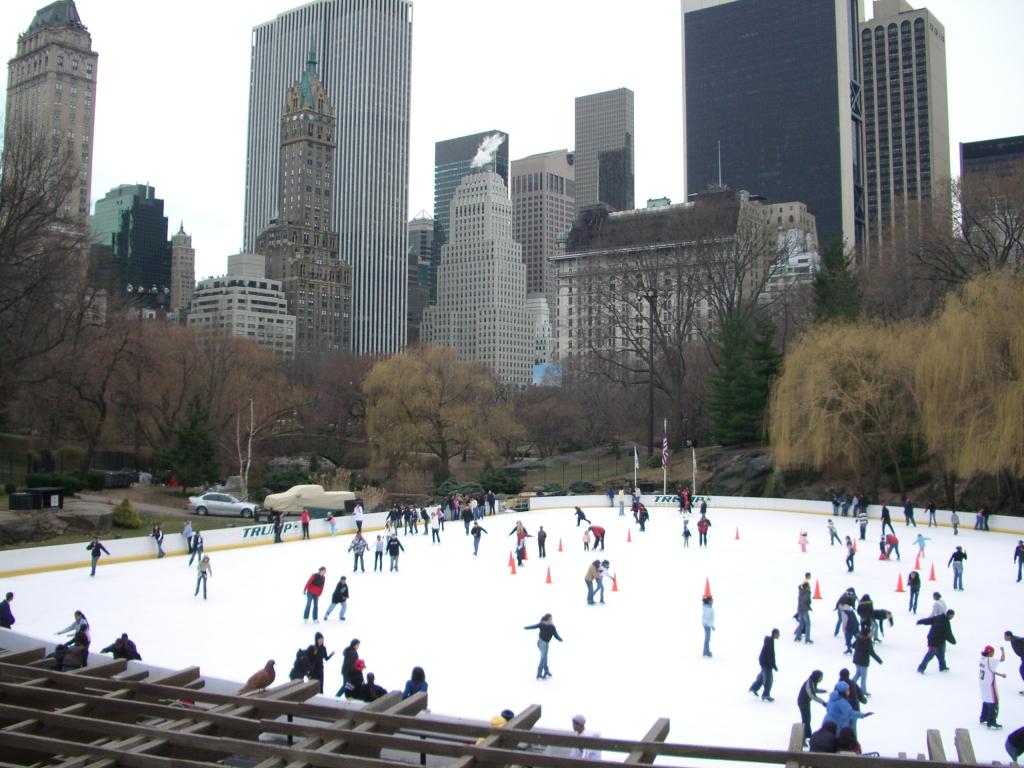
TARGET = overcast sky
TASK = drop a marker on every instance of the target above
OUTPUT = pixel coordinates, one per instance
(173, 81)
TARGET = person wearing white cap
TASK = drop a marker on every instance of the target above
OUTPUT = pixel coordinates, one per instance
(579, 723)
(988, 671)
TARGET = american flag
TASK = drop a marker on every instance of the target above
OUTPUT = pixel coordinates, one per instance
(664, 445)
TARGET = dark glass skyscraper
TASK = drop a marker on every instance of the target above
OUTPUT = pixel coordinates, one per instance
(453, 159)
(775, 85)
(130, 222)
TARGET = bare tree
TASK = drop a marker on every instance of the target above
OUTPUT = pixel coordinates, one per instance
(43, 294)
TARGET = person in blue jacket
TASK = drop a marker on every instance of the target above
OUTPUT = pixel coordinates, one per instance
(838, 710)
(417, 682)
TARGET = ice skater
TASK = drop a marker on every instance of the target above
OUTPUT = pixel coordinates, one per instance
(931, 514)
(887, 519)
(547, 631)
(851, 550)
(861, 516)
(521, 536)
(589, 577)
(394, 547)
(892, 544)
(914, 587)
(196, 548)
(686, 534)
(1017, 646)
(957, 561)
(599, 533)
(358, 514)
(123, 648)
(908, 512)
(580, 517)
(436, 526)
(318, 656)
(358, 549)
(95, 550)
(542, 537)
(204, 571)
(803, 613)
(313, 589)
(988, 671)
(476, 530)
(939, 633)
(802, 541)
(863, 653)
(702, 530)
(378, 555)
(766, 660)
(833, 535)
(304, 521)
(707, 620)
(6, 614)
(809, 692)
(332, 523)
(586, 540)
(158, 537)
(954, 520)
(338, 598)
(920, 541)
(1018, 558)
(602, 571)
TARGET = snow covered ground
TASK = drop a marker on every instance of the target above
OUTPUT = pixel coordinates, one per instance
(623, 664)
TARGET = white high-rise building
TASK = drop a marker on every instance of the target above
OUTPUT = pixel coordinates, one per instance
(481, 284)
(245, 303)
(364, 52)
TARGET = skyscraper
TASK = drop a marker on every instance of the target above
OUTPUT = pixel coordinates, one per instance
(543, 205)
(183, 269)
(481, 286)
(365, 53)
(604, 150)
(906, 118)
(301, 247)
(453, 160)
(421, 255)
(130, 221)
(51, 91)
(772, 104)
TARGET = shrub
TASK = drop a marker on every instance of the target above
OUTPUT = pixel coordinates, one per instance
(125, 516)
(654, 461)
(581, 488)
(553, 489)
(70, 483)
(283, 479)
(499, 481)
(94, 481)
(10, 488)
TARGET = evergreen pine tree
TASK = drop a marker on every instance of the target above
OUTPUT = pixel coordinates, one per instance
(193, 457)
(837, 295)
(747, 362)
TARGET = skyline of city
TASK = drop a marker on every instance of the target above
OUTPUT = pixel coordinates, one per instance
(206, 191)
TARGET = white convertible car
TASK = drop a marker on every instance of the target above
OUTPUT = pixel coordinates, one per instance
(298, 497)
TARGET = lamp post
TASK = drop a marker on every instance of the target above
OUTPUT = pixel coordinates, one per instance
(651, 296)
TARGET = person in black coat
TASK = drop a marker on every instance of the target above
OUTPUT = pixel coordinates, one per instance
(1017, 646)
(939, 633)
(863, 653)
(547, 631)
(318, 655)
(348, 663)
(766, 660)
(809, 692)
(6, 615)
(887, 520)
(855, 695)
(123, 648)
(823, 739)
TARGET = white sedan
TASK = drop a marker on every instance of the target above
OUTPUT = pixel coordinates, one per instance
(219, 504)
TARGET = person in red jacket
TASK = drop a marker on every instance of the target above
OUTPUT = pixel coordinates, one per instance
(702, 529)
(313, 589)
(598, 532)
(304, 519)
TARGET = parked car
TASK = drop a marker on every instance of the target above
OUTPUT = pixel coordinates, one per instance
(219, 504)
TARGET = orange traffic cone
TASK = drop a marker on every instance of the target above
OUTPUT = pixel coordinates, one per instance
(512, 565)
(559, 545)
(932, 577)
(899, 583)
(737, 534)
(855, 546)
(548, 579)
(524, 551)
(629, 536)
(511, 560)
(615, 583)
(917, 562)
(817, 590)
(707, 588)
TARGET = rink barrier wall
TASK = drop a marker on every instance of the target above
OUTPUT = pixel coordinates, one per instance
(997, 523)
(61, 557)
(20, 562)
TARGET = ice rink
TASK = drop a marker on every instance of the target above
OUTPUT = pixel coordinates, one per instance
(622, 664)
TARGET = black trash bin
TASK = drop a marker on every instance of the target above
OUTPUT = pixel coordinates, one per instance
(19, 501)
(46, 497)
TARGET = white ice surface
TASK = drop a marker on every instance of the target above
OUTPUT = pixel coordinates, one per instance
(622, 664)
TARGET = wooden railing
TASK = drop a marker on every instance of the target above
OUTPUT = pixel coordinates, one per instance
(107, 714)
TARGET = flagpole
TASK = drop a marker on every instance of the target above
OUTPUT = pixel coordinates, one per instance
(636, 463)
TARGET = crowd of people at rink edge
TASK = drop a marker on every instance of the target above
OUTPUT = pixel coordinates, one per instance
(860, 623)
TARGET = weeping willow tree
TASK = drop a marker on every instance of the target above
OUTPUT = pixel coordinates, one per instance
(844, 401)
(969, 376)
